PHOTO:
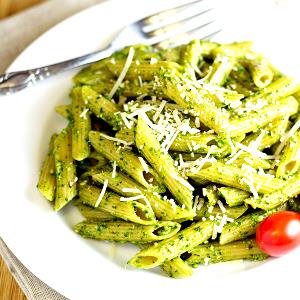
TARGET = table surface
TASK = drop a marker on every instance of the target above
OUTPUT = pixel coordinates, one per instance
(9, 289)
(9, 7)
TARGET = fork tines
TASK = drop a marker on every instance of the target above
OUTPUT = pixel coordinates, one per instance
(162, 15)
(193, 19)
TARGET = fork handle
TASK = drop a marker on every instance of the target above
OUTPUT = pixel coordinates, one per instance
(14, 81)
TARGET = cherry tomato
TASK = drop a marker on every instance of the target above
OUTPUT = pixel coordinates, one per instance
(279, 233)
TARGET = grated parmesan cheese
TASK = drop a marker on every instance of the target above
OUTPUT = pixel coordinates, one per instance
(190, 147)
(168, 137)
(261, 171)
(138, 111)
(234, 157)
(222, 224)
(127, 124)
(183, 182)
(167, 147)
(255, 144)
(197, 167)
(123, 72)
(248, 168)
(114, 171)
(140, 81)
(131, 190)
(251, 186)
(141, 97)
(248, 160)
(231, 145)
(222, 207)
(138, 197)
(147, 202)
(114, 139)
(159, 110)
(71, 183)
(255, 152)
(196, 202)
(200, 204)
(144, 164)
(210, 209)
(215, 232)
(210, 131)
(173, 204)
(176, 117)
(197, 122)
(147, 120)
(153, 60)
(181, 161)
(83, 113)
(286, 137)
(235, 104)
(105, 183)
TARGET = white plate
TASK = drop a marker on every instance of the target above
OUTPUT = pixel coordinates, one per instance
(43, 240)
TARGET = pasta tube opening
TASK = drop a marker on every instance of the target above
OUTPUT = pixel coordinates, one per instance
(149, 177)
(142, 213)
(289, 167)
(265, 79)
(207, 165)
(212, 143)
(124, 231)
(166, 229)
(147, 261)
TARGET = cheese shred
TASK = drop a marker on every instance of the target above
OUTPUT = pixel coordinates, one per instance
(133, 198)
(144, 164)
(105, 183)
(123, 72)
(286, 138)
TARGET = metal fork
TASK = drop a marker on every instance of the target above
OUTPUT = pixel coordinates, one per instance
(163, 29)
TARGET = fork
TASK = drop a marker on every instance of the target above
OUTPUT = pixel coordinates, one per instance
(166, 28)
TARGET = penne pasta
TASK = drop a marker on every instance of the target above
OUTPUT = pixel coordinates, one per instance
(121, 231)
(146, 141)
(81, 126)
(47, 181)
(65, 172)
(215, 253)
(182, 151)
(166, 250)
(177, 268)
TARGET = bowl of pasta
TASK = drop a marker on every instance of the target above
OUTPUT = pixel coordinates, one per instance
(150, 163)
